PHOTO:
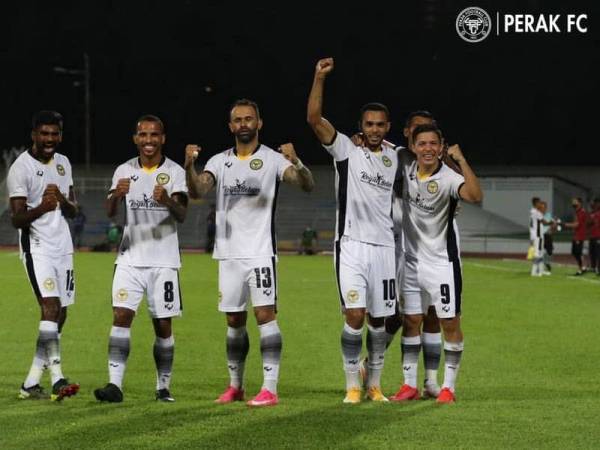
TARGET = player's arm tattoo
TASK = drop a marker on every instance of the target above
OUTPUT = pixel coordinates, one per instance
(177, 205)
(302, 177)
(198, 184)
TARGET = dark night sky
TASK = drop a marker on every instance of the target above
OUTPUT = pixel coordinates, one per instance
(520, 99)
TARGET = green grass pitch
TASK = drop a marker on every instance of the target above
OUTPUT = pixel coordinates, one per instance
(529, 376)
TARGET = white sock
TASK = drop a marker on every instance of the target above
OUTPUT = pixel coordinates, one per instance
(376, 340)
(270, 349)
(118, 352)
(432, 350)
(237, 350)
(452, 353)
(351, 348)
(49, 337)
(164, 349)
(411, 347)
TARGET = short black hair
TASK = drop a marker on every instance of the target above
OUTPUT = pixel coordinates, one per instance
(535, 200)
(419, 113)
(373, 106)
(45, 117)
(149, 118)
(245, 102)
(425, 128)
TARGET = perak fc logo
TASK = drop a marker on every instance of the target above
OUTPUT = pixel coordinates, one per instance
(256, 164)
(60, 169)
(432, 187)
(473, 24)
(162, 178)
(387, 162)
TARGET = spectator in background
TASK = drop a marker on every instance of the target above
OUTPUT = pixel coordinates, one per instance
(549, 226)
(579, 227)
(594, 221)
(308, 243)
(211, 228)
(78, 226)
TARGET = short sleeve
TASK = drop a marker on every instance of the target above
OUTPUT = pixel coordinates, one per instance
(281, 164)
(340, 147)
(17, 182)
(456, 181)
(116, 176)
(179, 184)
(212, 166)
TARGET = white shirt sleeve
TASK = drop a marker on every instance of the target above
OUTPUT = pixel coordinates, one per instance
(456, 181)
(212, 166)
(17, 182)
(281, 163)
(116, 177)
(179, 184)
(340, 147)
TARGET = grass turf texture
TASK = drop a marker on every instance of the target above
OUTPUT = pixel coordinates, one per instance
(528, 377)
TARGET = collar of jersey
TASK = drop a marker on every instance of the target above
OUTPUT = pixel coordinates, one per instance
(152, 169)
(50, 161)
(433, 174)
(253, 151)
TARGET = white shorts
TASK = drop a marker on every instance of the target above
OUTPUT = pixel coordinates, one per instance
(425, 284)
(51, 276)
(160, 284)
(366, 276)
(240, 279)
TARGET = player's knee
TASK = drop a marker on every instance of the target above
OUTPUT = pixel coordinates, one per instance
(264, 314)
(355, 317)
(451, 326)
(236, 320)
(431, 324)
(50, 309)
(122, 317)
(412, 324)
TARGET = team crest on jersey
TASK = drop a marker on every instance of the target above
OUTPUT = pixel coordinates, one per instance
(256, 164)
(122, 294)
(352, 296)
(387, 162)
(432, 187)
(60, 169)
(162, 178)
(49, 284)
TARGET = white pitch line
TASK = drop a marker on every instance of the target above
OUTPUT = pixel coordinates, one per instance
(487, 266)
(506, 269)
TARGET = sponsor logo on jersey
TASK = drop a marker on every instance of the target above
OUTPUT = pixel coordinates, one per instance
(432, 187)
(420, 204)
(134, 178)
(147, 203)
(162, 178)
(473, 24)
(49, 284)
(240, 188)
(122, 294)
(256, 164)
(387, 162)
(40, 173)
(375, 180)
(352, 296)
(60, 169)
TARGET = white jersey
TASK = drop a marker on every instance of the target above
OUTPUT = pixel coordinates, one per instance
(535, 224)
(429, 207)
(364, 189)
(246, 191)
(150, 234)
(27, 177)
